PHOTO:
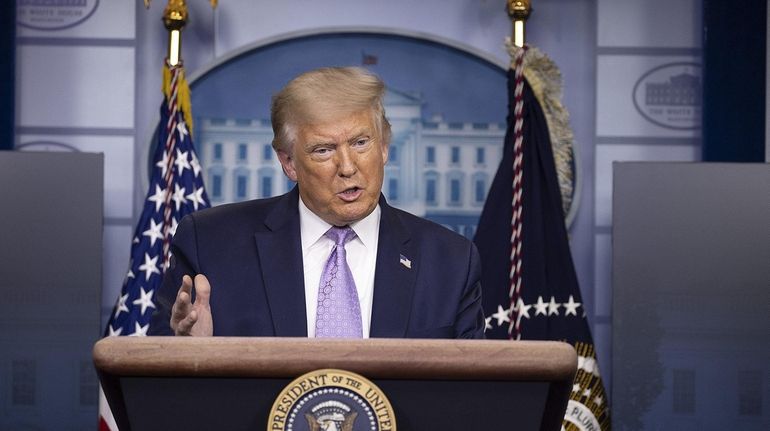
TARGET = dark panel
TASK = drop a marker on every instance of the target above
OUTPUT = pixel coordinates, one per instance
(7, 72)
(243, 404)
(50, 284)
(734, 63)
(691, 247)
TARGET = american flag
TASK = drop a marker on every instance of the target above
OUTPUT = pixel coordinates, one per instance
(176, 189)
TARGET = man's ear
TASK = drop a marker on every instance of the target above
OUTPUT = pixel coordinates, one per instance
(385, 147)
(287, 164)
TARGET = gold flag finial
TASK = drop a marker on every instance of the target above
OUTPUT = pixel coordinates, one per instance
(175, 15)
(519, 11)
(175, 18)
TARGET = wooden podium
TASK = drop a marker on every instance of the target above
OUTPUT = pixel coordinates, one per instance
(226, 383)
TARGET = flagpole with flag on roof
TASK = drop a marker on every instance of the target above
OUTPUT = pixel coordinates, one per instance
(176, 189)
(530, 288)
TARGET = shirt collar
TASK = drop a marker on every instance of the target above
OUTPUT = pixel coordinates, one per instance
(312, 227)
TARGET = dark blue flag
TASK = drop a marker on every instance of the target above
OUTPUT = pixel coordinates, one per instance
(530, 288)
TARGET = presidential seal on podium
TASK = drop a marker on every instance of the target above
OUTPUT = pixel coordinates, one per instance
(331, 400)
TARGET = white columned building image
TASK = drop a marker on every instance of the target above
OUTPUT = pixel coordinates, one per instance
(437, 169)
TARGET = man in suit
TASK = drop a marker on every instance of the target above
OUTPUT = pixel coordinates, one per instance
(330, 258)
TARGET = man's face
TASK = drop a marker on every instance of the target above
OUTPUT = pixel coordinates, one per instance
(339, 167)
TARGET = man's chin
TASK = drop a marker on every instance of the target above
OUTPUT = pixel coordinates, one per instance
(352, 212)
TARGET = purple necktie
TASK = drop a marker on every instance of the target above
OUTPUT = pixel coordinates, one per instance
(339, 313)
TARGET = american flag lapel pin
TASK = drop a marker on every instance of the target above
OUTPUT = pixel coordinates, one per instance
(404, 261)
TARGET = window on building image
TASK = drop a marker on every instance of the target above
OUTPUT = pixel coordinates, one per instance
(243, 152)
(455, 155)
(683, 391)
(431, 188)
(455, 188)
(430, 155)
(89, 388)
(267, 152)
(479, 190)
(478, 186)
(216, 186)
(430, 191)
(241, 187)
(750, 393)
(217, 156)
(23, 382)
(454, 183)
(480, 156)
(393, 189)
(267, 186)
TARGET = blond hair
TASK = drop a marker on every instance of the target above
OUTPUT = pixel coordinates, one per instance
(324, 94)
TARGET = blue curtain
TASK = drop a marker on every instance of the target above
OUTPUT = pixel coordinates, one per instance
(7, 72)
(734, 50)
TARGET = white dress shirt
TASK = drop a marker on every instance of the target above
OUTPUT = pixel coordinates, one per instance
(361, 256)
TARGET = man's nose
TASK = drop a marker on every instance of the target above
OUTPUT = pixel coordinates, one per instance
(346, 162)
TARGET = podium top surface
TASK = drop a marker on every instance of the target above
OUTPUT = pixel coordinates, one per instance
(378, 358)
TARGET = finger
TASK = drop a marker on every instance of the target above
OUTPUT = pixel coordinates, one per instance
(183, 303)
(185, 325)
(182, 307)
(202, 290)
(186, 286)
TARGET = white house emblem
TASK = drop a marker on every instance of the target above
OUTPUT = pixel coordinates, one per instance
(670, 96)
(54, 14)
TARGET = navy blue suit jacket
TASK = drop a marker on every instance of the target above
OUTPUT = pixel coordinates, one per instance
(252, 255)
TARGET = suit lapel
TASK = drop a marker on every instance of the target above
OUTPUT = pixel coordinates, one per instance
(280, 257)
(394, 278)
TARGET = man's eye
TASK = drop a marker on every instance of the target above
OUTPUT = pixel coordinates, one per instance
(321, 151)
(361, 142)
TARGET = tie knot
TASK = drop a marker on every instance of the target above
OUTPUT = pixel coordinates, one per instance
(340, 235)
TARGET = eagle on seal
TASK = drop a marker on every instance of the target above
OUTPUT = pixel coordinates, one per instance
(331, 424)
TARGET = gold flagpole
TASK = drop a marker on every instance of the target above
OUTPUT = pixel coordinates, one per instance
(519, 11)
(175, 18)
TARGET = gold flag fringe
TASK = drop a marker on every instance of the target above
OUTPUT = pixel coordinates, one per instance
(182, 94)
(545, 79)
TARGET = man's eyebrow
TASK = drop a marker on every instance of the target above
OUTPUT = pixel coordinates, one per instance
(363, 133)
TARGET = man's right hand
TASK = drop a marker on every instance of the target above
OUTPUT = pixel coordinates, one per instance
(188, 318)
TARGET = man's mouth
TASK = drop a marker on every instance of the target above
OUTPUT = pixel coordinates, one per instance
(350, 194)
